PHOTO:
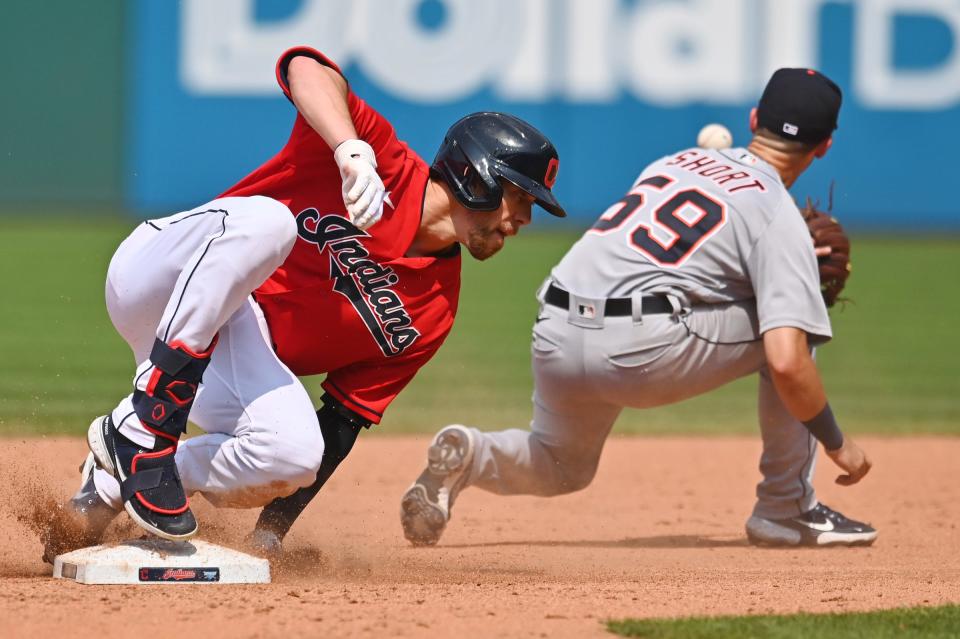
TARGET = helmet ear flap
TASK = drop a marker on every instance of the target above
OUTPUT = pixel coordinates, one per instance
(469, 174)
(474, 185)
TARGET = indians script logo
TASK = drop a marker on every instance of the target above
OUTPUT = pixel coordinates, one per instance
(361, 280)
(178, 574)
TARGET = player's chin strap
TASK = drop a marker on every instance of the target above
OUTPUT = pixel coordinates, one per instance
(340, 427)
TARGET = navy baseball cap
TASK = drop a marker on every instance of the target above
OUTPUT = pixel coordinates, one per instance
(800, 104)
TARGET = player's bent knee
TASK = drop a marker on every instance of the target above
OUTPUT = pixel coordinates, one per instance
(574, 478)
(265, 226)
(275, 225)
(254, 494)
(299, 458)
(265, 468)
(277, 219)
(565, 467)
(290, 471)
(294, 474)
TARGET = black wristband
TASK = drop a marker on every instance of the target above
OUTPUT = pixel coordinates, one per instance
(824, 427)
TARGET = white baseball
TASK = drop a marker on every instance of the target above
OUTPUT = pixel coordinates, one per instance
(714, 136)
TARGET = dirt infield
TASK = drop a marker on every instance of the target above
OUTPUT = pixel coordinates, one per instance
(659, 533)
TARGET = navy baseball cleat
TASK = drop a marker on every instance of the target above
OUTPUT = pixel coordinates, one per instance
(150, 486)
(819, 526)
(80, 522)
(425, 507)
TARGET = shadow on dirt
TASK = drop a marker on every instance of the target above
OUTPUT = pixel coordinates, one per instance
(655, 541)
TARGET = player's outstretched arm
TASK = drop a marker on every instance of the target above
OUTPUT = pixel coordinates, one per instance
(320, 94)
(798, 383)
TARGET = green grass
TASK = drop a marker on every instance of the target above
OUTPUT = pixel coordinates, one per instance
(61, 362)
(890, 369)
(902, 623)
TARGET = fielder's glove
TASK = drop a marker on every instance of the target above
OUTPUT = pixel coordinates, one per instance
(834, 265)
(363, 190)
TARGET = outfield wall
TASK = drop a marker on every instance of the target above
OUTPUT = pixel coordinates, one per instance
(615, 83)
(61, 112)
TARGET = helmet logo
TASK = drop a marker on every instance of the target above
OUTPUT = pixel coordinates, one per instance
(551, 175)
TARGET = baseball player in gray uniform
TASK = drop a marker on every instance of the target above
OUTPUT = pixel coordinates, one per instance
(704, 272)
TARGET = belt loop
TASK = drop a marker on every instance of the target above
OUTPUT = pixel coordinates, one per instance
(675, 304)
(542, 291)
(636, 307)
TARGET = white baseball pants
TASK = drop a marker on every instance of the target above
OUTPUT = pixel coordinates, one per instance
(189, 277)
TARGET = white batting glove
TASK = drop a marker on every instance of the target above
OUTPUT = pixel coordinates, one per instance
(363, 189)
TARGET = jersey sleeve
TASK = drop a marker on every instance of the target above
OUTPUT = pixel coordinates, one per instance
(283, 65)
(368, 388)
(786, 282)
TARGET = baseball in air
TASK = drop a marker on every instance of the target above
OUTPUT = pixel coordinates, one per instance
(714, 136)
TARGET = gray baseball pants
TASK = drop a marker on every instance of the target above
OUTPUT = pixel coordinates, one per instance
(587, 369)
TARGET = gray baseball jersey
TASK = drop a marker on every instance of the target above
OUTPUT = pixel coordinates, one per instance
(709, 227)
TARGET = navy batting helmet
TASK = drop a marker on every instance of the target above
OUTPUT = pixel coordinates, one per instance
(483, 148)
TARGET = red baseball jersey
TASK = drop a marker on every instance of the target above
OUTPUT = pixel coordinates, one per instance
(348, 302)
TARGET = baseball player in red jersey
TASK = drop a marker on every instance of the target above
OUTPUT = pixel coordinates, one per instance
(340, 255)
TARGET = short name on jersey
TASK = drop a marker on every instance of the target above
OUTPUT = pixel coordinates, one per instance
(363, 281)
(731, 179)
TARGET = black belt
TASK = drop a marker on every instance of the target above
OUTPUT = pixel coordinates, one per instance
(614, 306)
